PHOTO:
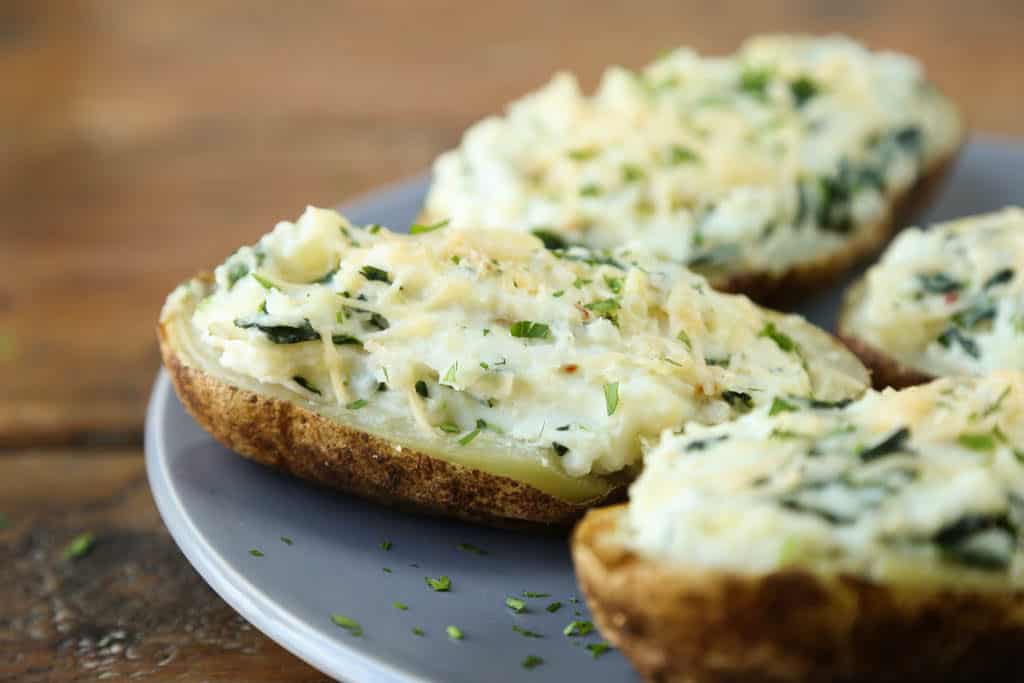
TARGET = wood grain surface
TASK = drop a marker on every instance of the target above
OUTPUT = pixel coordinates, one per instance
(142, 140)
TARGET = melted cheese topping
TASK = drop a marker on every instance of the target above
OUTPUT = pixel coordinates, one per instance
(949, 300)
(487, 339)
(770, 157)
(925, 482)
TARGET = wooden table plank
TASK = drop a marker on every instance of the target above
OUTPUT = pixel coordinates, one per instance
(130, 608)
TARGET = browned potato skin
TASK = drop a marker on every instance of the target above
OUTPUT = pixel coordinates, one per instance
(886, 371)
(679, 625)
(792, 287)
(298, 441)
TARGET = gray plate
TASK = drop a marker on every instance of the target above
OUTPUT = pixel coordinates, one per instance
(218, 507)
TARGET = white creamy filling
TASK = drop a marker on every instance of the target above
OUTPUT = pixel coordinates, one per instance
(950, 299)
(425, 326)
(841, 489)
(696, 153)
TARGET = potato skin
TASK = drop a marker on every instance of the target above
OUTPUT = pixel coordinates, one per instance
(679, 625)
(293, 439)
(886, 371)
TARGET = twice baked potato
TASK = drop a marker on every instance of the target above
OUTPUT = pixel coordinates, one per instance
(943, 301)
(872, 541)
(770, 171)
(472, 373)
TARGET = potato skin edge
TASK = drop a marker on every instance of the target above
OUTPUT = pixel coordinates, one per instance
(290, 438)
(679, 625)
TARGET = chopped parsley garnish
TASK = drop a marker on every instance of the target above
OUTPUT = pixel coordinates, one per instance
(531, 594)
(357, 404)
(554, 607)
(532, 661)
(418, 228)
(551, 240)
(326, 278)
(702, 444)
(579, 282)
(604, 307)
(306, 384)
(526, 633)
(953, 335)
(441, 584)
(400, 606)
(421, 389)
(470, 548)
(281, 334)
(985, 542)
(454, 632)
(803, 89)
(417, 631)
(449, 375)
(892, 444)
(578, 628)
(754, 82)
(999, 278)
(287, 541)
(236, 272)
(386, 570)
(464, 441)
(582, 153)
(718, 362)
(781, 406)
(264, 282)
(614, 283)
(590, 190)
(80, 546)
(983, 443)
(611, 397)
(969, 317)
(515, 604)
(740, 400)
(256, 552)
(373, 228)
(681, 155)
(529, 330)
(938, 283)
(350, 625)
(560, 449)
(374, 273)
(449, 428)
(632, 173)
(782, 340)
(385, 545)
(343, 339)
(558, 293)
(685, 339)
(598, 649)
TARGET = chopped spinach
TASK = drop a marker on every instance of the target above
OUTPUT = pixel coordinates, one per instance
(529, 330)
(781, 339)
(281, 334)
(890, 445)
(702, 444)
(551, 239)
(374, 273)
(985, 542)
(979, 312)
(781, 406)
(953, 335)
(682, 155)
(560, 450)
(999, 278)
(739, 400)
(938, 283)
(803, 89)
(306, 384)
(236, 272)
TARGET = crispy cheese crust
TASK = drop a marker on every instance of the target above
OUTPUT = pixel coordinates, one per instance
(679, 625)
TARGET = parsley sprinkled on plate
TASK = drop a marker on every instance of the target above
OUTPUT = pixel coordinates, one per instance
(781, 406)
(418, 229)
(525, 632)
(531, 594)
(532, 661)
(578, 628)
(441, 584)
(470, 548)
(417, 631)
(400, 606)
(554, 607)
(454, 632)
(598, 649)
(80, 546)
(287, 541)
(385, 545)
(515, 604)
(350, 625)
(256, 552)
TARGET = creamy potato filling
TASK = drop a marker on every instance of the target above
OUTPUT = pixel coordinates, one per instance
(950, 299)
(485, 339)
(755, 161)
(922, 483)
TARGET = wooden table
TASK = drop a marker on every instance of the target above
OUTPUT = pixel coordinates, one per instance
(142, 141)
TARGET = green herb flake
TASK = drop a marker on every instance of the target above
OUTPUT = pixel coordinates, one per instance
(579, 282)
(532, 662)
(551, 239)
(400, 606)
(374, 273)
(421, 389)
(890, 445)
(236, 272)
(590, 190)
(558, 293)
(386, 570)
(781, 406)
(471, 549)
(754, 82)
(578, 628)
(554, 607)
(385, 545)
(264, 282)
(938, 283)
(454, 632)
(306, 384)
(80, 546)
(350, 625)
(256, 552)
(531, 594)
(287, 541)
(678, 154)
(611, 397)
(419, 229)
(417, 631)
(685, 339)
(740, 401)
(582, 153)
(357, 404)
(441, 584)
(604, 307)
(373, 229)
(782, 340)
(983, 443)
(529, 330)
(515, 604)
(449, 428)
(449, 375)
(526, 633)
(598, 649)
(631, 173)
(803, 89)
(465, 441)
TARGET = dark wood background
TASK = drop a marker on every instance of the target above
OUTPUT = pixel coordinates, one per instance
(142, 141)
